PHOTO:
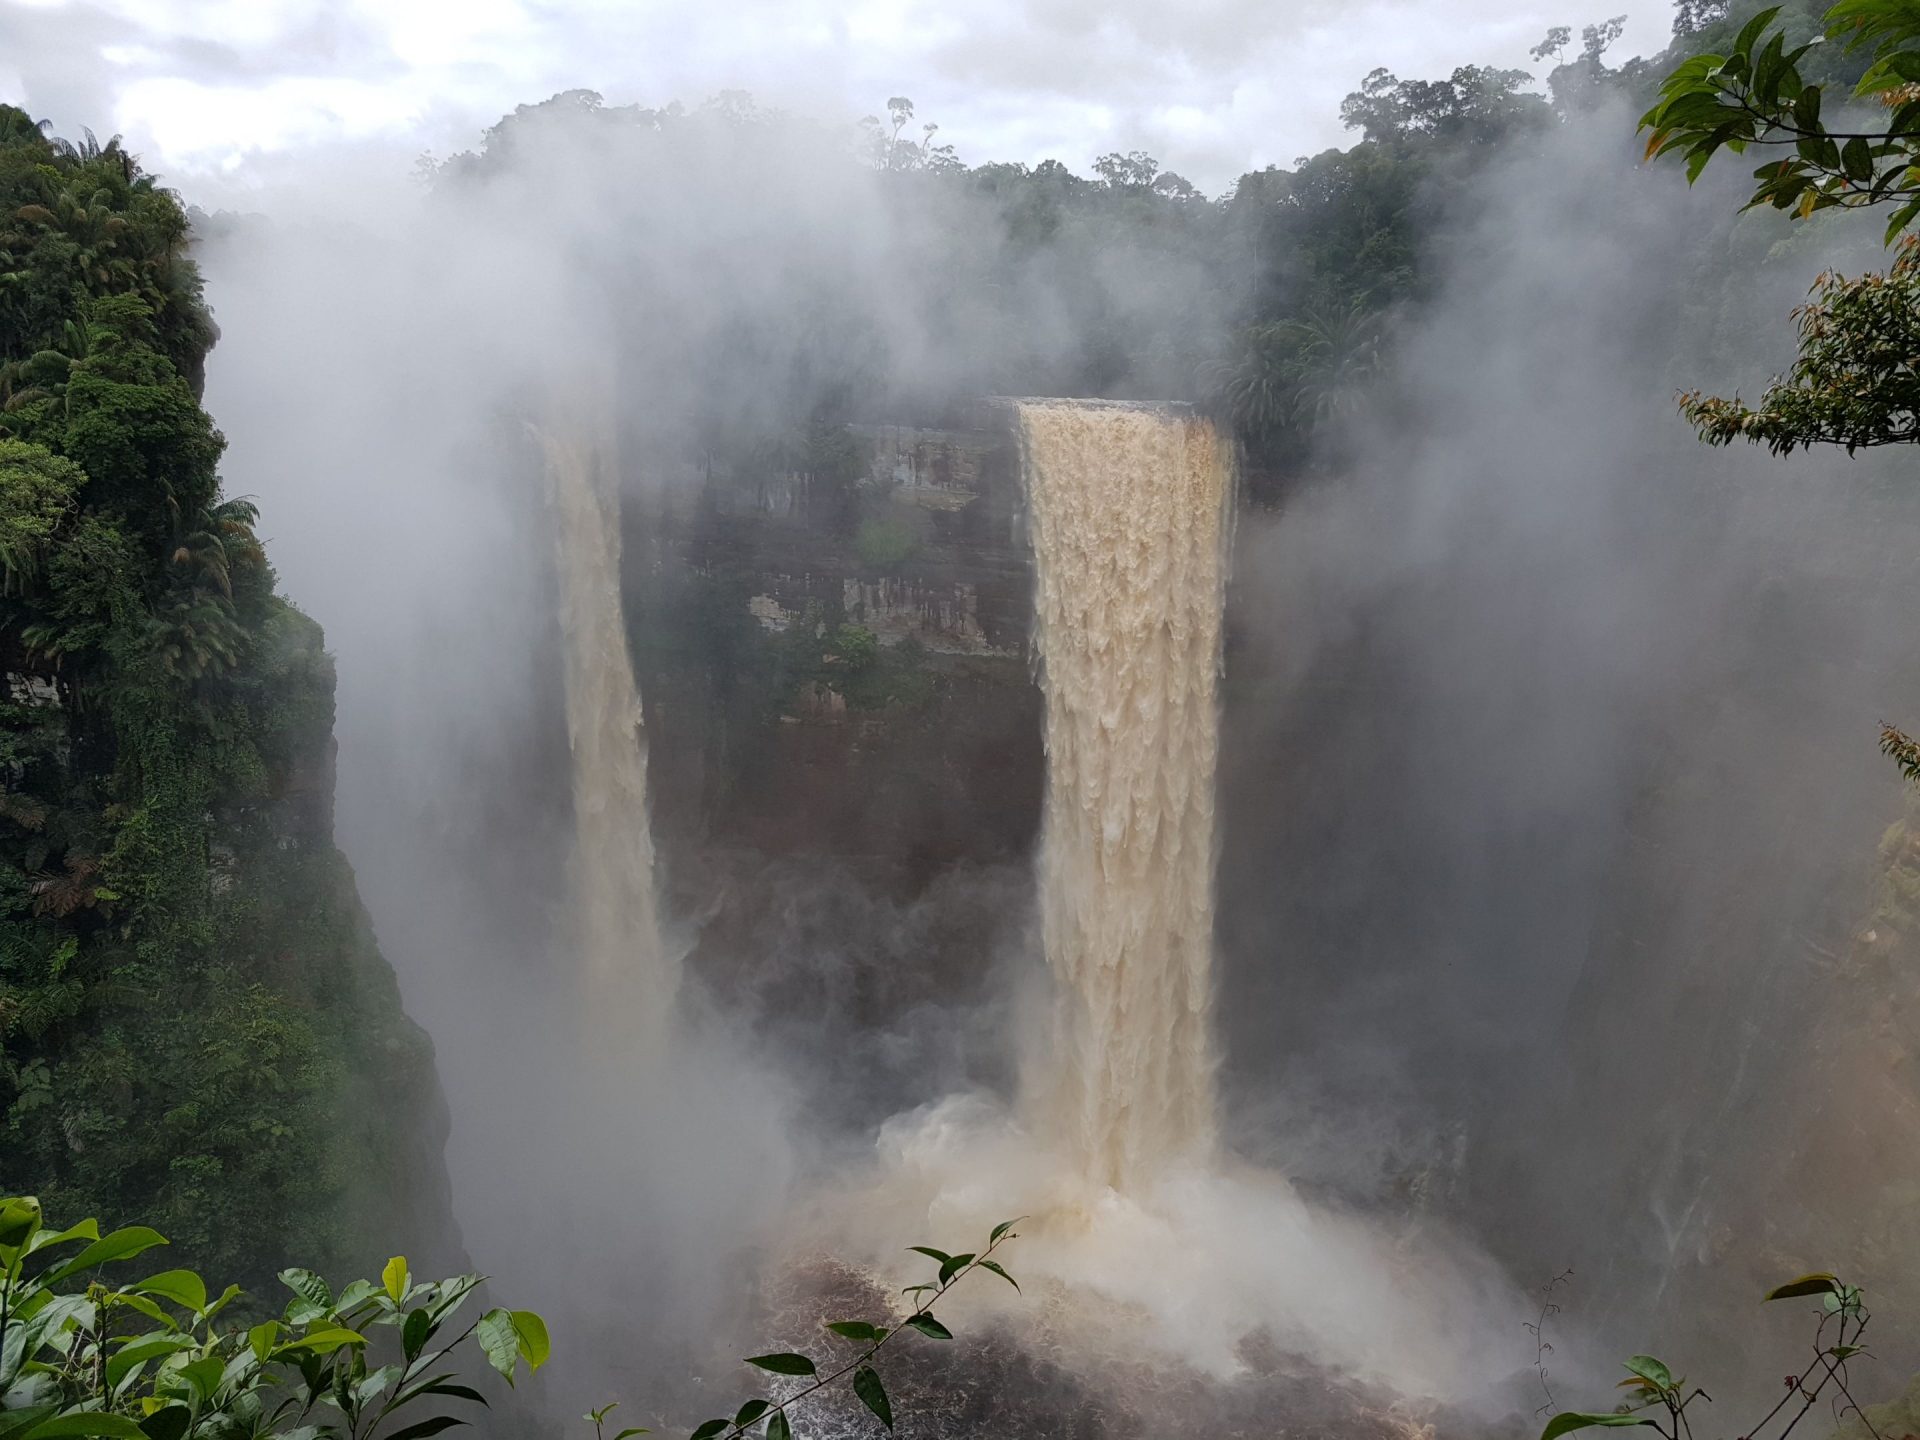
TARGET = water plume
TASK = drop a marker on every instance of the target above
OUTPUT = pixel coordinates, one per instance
(1129, 508)
(630, 975)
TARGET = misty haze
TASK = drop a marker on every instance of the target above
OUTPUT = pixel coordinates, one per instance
(1202, 730)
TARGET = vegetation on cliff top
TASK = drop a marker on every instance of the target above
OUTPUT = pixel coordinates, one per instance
(194, 1023)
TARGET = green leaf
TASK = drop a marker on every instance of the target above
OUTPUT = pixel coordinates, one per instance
(1900, 219)
(1818, 1283)
(1572, 1420)
(633, 1430)
(141, 1349)
(784, 1362)
(778, 1427)
(120, 1245)
(1750, 32)
(458, 1392)
(203, 1375)
(183, 1287)
(323, 1341)
(1856, 160)
(395, 1277)
(498, 1339)
(14, 1423)
(994, 1266)
(930, 1327)
(866, 1384)
(309, 1287)
(117, 1427)
(426, 1427)
(710, 1428)
(414, 1334)
(19, 1218)
(1842, 1352)
(227, 1297)
(453, 1293)
(46, 1239)
(852, 1329)
(530, 1333)
(261, 1337)
(357, 1293)
(953, 1265)
(1002, 1228)
(453, 1392)
(1650, 1370)
(750, 1412)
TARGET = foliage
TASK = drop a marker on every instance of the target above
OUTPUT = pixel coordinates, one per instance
(1659, 1399)
(38, 491)
(1856, 382)
(885, 543)
(888, 151)
(194, 1022)
(854, 646)
(1853, 384)
(1299, 377)
(770, 1416)
(152, 1360)
(1477, 106)
(1755, 96)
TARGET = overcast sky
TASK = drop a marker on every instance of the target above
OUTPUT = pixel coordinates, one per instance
(224, 95)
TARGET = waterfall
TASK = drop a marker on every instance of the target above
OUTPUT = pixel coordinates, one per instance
(1129, 508)
(629, 975)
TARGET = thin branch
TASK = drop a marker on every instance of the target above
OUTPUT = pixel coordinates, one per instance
(735, 1431)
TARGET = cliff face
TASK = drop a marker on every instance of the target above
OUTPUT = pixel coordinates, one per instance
(288, 911)
(845, 759)
(218, 1049)
(840, 669)
(196, 1029)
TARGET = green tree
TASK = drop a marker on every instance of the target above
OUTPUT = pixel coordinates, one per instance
(1853, 384)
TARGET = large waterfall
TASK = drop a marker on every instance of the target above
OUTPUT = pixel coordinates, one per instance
(1129, 515)
(630, 976)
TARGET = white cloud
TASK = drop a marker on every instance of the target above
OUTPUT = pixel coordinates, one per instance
(1213, 87)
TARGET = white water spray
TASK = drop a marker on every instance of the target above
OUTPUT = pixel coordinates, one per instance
(1143, 1235)
(1130, 508)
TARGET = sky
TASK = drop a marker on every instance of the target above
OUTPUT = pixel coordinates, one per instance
(224, 96)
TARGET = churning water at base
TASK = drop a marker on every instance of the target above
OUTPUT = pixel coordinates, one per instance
(627, 968)
(1129, 514)
(1143, 1237)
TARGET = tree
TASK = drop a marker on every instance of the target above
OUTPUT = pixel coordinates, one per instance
(1136, 168)
(1856, 382)
(154, 1359)
(1756, 96)
(38, 491)
(1476, 105)
(890, 152)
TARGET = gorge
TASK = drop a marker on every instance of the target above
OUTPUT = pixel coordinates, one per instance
(1336, 809)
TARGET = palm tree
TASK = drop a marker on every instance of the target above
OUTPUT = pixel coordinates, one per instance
(1337, 357)
(45, 372)
(207, 548)
(17, 126)
(1299, 374)
(196, 637)
(94, 225)
(1253, 387)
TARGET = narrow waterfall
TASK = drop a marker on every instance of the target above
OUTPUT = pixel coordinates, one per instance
(630, 978)
(1129, 508)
